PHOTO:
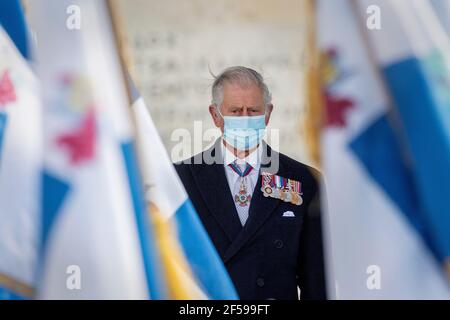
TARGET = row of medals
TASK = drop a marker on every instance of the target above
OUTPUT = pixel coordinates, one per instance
(284, 194)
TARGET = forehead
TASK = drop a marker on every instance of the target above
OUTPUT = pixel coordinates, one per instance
(242, 95)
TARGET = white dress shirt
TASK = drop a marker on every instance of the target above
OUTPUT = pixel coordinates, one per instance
(253, 159)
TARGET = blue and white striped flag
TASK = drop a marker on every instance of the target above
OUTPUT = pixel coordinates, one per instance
(385, 153)
(413, 53)
(96, 241)
(207, 275)
(20, 157)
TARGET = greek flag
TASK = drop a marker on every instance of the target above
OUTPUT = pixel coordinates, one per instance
(199, 272)
(386, 148)
(96, 240)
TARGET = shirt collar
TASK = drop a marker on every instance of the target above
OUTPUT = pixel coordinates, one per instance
(253, 159)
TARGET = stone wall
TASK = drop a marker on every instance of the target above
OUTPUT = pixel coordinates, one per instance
(174, 45)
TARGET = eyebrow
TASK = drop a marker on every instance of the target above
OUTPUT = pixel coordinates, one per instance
(251, 107)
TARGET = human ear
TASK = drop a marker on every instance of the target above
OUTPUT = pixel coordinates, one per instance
(218, 120)
(268, 113)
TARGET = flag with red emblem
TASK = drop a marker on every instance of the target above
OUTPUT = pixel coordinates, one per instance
(95, 242)
(383, 234)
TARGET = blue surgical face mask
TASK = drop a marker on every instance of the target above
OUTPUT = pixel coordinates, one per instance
(244, 133)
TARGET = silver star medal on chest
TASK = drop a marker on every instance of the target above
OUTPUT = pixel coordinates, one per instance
(243, 197)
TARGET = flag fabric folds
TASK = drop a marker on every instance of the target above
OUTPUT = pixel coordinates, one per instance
(96, 241)
(442, 9)
(13, 22)
(196, 269)
(20, 158)
(385, 150)
(418, 62)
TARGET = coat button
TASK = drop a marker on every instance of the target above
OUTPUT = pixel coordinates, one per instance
(278, 244)
(260, 282)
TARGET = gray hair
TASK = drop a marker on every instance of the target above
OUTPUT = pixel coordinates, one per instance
(241, 76)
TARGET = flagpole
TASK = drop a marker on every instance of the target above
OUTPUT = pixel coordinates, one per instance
(313, 100)
(125, 61)
(313, 124)
(17, 286)
(122, 50)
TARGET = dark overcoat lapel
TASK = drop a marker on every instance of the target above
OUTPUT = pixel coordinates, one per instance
(213, 185)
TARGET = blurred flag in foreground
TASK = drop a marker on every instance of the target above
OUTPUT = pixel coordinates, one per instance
(416, 69)
(95, 239)
(442, 9)
(385, 154)
(20, 158)
(193, 268)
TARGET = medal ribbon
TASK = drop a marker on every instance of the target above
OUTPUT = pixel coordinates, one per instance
(236, 169)
(279, 182)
